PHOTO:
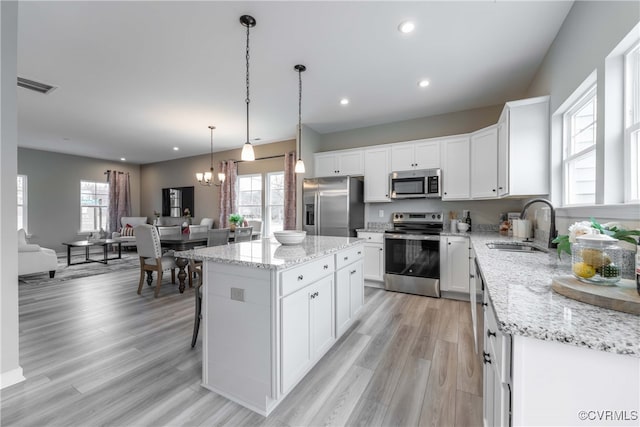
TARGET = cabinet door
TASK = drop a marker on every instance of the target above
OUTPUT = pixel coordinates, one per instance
(503, 154)
(455, 168)
(484, 163)
(326, 164)
(373, 261)
(473, 284)
(427, 154)
(343, 300)
(402, 157)
(356, 285)
(488, 380)
(296, 351)
(454, 264)
(351, 162)
(321, 316)
(376, 175)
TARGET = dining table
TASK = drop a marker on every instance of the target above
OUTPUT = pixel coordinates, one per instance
(183, 242)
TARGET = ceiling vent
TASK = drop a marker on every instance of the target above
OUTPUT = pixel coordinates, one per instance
(35, 86)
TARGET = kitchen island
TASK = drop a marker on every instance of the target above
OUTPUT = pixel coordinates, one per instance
(551, 360)
(270, 312)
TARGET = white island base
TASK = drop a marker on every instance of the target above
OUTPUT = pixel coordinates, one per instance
(265, 328)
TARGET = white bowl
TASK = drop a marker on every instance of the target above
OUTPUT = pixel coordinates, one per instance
(290, 237)
(462, 227)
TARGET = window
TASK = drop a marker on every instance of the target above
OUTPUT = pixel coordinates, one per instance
(579, 150)
(270, 208)
(94, 205)
(250, 196)
(632, 121)
(275, 202)
(22, 202)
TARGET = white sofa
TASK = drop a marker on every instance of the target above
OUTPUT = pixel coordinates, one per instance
(133, 221)
(34, 259)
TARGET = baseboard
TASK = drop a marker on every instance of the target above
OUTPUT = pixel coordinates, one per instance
(12, 377)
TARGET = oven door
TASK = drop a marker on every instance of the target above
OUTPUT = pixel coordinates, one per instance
(412, 264)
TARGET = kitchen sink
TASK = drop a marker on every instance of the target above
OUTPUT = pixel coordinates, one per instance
(513, 246)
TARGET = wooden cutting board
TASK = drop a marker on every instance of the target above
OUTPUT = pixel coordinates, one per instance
(623, 296)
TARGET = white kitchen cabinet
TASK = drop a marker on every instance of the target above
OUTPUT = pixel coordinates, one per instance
(421, 154)
(349, 289)
(454, 264)
(307, 328)
(523, 148)
(455, 168)
(376, 174)
(342, 162)
(373, 264)
(484, 163)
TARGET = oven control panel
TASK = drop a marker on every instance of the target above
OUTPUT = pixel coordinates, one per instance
(419, 217)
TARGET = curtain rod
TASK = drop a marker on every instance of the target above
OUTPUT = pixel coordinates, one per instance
(109, 171)
(261, 158)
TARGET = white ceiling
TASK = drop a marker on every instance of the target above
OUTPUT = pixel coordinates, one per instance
(135, 79)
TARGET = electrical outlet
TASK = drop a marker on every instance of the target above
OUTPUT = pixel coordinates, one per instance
(381, 213)
(237, 294)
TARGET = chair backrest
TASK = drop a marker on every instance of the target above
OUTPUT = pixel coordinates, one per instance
(133, 220)
(148, 241)
(172, 230)
(207, 221)
(256, 224)
(243, 234)
(22, 237)
(198, 228)
(218, 236)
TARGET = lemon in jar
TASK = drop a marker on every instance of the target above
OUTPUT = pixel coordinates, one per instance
(584, 270)
(595, 258)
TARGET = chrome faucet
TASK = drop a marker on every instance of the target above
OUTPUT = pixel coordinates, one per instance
(553, 233)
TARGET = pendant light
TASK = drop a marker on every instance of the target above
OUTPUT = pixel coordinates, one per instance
(206, 178)
(247, 148)
(299, 164)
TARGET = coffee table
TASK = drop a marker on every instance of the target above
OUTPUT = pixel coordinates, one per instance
(86, 244)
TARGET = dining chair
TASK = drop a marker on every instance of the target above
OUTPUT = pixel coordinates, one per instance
(217, 237)
(198, 229)
(169, 230)
(208, 222)
(243, 234)
(151, 257)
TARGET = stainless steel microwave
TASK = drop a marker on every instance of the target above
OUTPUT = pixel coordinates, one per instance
(414, 184)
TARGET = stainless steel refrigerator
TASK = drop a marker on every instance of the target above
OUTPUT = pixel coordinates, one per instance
(333, 206)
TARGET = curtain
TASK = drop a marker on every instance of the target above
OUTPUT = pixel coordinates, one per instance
(227, 196)
(119, 198)
(289, 191)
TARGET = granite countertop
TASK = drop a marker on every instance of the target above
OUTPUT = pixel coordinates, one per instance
(519, 285)
(372, 230)
(268, 253)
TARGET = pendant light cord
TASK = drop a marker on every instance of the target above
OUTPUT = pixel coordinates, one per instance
(211, 152)
(300, 114)
(247, 100)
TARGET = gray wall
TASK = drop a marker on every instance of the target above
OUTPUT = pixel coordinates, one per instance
(181, 173)
(53, 185)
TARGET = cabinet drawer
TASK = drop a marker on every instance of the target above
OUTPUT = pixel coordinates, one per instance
(499, 344)
(347, 256)
(299, 277)
(371, 237)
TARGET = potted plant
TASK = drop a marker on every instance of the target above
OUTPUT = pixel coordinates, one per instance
(235, 220)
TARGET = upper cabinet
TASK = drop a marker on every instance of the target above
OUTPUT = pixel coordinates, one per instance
(421, 154)
(455, 168)
(343, 162)
(523, 148)
(484, 163)
(376, 174)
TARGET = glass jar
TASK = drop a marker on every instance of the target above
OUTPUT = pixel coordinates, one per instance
(596, 258)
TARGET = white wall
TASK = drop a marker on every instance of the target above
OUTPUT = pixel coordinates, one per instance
(10, 370)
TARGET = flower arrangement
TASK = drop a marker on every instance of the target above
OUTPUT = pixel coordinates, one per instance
(156, 214)
(186, 212)
(593, 227)
(236, 219)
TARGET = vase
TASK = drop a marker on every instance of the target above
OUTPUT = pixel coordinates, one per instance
(232, 227)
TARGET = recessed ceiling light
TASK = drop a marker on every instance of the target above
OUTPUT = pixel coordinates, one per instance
(344, 101)
(122, 159)
(175, 148)
(406, 27)
(423, 83)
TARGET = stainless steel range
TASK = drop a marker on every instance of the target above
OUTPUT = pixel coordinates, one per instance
(412, 253)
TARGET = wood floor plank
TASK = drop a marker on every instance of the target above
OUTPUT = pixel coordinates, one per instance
(438, 408)
(406, 403)
(448, 320)
(469, 363)
(468, 410)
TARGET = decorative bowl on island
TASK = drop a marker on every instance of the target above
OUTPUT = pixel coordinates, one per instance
(290, 237)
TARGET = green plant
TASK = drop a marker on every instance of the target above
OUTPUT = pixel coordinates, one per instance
(236, 219)
(589, 227)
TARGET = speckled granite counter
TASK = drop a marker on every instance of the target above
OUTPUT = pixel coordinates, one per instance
(519, 286)
(268, 253)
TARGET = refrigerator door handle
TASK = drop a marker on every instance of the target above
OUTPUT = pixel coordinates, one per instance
(316, 205)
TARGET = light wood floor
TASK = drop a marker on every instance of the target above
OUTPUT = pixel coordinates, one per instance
(95, 353)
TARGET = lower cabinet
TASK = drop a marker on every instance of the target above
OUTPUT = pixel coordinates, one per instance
(307, 328)
(373, 255)
(454, 264)
(349, 295)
